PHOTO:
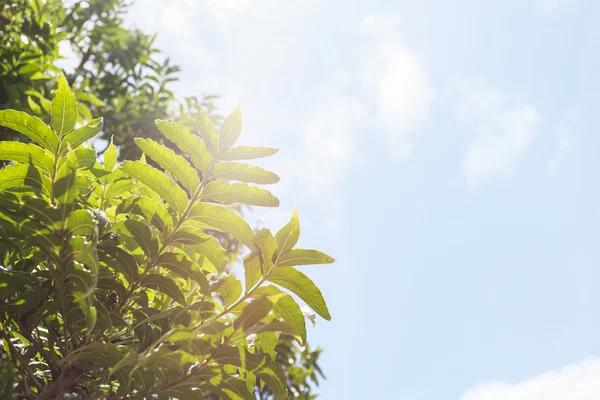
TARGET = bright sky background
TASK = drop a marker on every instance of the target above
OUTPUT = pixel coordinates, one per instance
(446, 153)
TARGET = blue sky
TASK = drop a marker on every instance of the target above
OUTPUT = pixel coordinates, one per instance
(446, 154)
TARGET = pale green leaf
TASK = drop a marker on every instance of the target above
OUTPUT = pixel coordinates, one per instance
(233, 171)
(239, 193)
(304, 257)
(247, 153)
(230, 130)
(302, 286)
(228, 221)
(287, 237)
(26, 153)
(158, 182)
(82, 134)
(170, 161)
(30, 126)
(64, 108)
(187, 142)
(110, 156)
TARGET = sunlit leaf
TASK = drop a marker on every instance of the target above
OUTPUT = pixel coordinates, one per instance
(302, 286)
(158, 182)
(247, 153)
(64, 108)
(230, 130)
(30, 126)
(187, 142)
(170, 161)
(232, 171)
(239, 193)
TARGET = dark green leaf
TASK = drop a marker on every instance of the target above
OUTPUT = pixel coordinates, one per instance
(164, 285)
(253, 313)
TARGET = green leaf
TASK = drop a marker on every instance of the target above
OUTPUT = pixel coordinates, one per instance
(247, 153)
(90, 98)
(121, 259)
(252, 267)
(144, 207)
(187, 142)
(22, 175)
(164, 285)
(268, 247)
(287, 237)
(204, 244)
(285, 307)
(304, 257)
(230, 130)
(228, 221)
(64, 108)
(34, 106)
(302, 286)
(170, 161)
(110, 156)
(184, 267)
(239, 193)
(30, 126)
(85, 157)
(232, 171)
(64, 190)
(82, 222)
(268, 341)
(81, 135)
(258, 364)
(142, 235)
(158, 182)
(253, 313)
(229, 288)
(26, 153)
(208, 134)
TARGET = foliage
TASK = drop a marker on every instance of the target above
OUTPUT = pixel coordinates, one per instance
(110, 286)
(117, 72)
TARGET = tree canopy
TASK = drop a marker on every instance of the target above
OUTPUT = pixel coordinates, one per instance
(111, 286)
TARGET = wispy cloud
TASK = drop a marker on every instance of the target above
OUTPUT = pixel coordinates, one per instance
(574, 382)
(504, 129)
(396, 81)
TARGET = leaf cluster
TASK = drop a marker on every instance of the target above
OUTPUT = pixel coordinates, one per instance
(110, 285)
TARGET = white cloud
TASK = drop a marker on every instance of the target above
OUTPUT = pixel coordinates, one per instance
(574, 382)
(564, 141)
(505, 129)
(319, 166)
(396, 80)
